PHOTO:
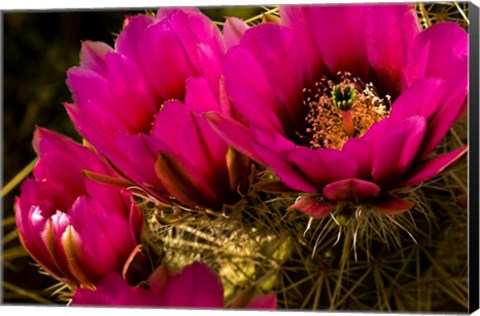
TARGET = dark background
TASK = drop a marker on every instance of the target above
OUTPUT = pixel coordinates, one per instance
(38, 48)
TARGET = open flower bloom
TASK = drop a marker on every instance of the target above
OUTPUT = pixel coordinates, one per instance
(78, 230)
(123, 105)
(196, 286)
(347, 101)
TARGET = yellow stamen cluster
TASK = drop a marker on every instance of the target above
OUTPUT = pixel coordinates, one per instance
(326, 125)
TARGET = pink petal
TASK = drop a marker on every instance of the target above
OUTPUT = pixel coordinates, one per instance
(134, 101)
(434, 166)
(363, 149)
(45, 141)
(183, 181)
(91, 94)
(296, 17)
(87, 86)
(104, 237)
(424, 97)
(285, 169)
(390, 30)
(398, 149)
(266, 301)
(163, 13)
(196, 286)
(205, 150)
(340, 37)
(30, 224)
(271, 45)
(166, 77)
(250, 90)
(184, 47)
(134, 156)
(234, 133)
(210, 65)
(392, 205)
(453, 106)
(80, 264)
(94, 124)
(314, 206)
(51, 235)
(441, 51)
(181, 21)
(233, 30)
(127, 42)
(168, 122)
(200, 97)
(355, 190)
(92, 56)
(55, 169)
(114, 291)
(322, 166)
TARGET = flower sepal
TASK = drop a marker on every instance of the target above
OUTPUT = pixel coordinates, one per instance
(313, 205)
(391, 205)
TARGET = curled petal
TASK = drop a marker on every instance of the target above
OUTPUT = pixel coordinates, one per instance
(237, 166)
(136, 267)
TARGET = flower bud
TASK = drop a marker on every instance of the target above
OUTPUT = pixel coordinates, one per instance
(77, 229)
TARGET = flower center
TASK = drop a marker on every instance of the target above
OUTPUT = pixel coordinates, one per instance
(338, 111)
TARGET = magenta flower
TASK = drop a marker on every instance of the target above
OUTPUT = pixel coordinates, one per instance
(138, 105)
(77, 229)
(196, 286)
(347, 101)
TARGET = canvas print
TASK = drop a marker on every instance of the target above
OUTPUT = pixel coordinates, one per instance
(295, 157)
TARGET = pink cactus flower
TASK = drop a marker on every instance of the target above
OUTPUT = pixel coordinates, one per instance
(196, 286)
(347, 102)
(77, 229)
(139, 103)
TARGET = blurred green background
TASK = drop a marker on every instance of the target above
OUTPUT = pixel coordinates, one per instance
(38, 48)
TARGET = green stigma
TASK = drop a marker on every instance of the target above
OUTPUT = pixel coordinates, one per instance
(343, 97)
